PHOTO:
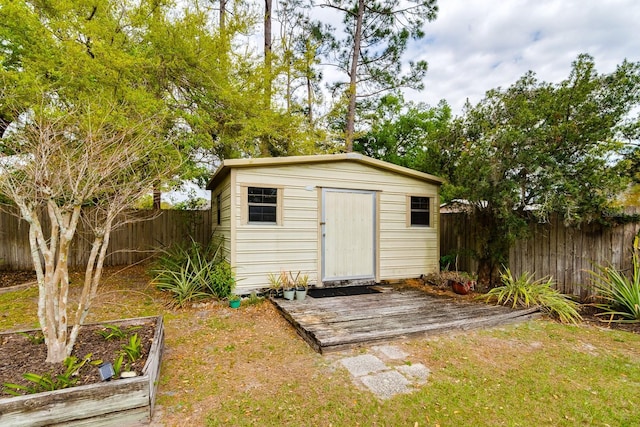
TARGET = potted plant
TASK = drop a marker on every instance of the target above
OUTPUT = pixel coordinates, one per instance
(275, 285)
(234, 301)
(288, 285)
(461, 285)
(302, 284)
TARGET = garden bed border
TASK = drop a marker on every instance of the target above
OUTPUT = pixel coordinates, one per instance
(123, 401)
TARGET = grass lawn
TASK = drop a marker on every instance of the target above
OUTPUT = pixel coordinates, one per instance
(248, 367)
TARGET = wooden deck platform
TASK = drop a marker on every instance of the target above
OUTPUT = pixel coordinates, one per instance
(336, 323)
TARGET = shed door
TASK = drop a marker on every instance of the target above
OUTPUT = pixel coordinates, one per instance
(348, 234)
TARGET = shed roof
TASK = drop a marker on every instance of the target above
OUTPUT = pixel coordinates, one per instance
(229, 164)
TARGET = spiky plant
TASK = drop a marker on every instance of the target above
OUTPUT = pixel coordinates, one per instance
(524, 291)
(619, 295)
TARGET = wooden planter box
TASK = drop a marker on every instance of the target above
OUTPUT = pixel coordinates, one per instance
(120, 402)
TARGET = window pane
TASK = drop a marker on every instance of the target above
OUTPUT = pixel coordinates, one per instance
(419, 203)
(419, 218)
(263, 195)
(259, 213)
(420, 208)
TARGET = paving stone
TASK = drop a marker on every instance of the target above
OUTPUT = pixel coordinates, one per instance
(363, 365)
(391, 351)
(416, 372)
(386, 384)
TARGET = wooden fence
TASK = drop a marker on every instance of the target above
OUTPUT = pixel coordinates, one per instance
(567, 254)
(135, 241)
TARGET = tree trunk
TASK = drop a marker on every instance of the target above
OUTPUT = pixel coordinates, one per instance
(309, 100)
(351, 110)
(157, 200)
(223, 16)
(493, 253)
(267, 49)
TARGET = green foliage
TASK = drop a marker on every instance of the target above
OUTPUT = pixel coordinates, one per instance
(133, 349)
(526, 292)
(254, 299)
(115, 332)
(119, 365)
(49, 381)
(275, 283)
(537, 148)
(36, 338)
(407, 134)
(193, 273)
(621, 294)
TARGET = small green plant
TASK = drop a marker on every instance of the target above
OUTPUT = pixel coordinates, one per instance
(275, 284)
(446, 261)
(118, 365)
(288, 282)
(620, 295)
(254, 299)
(49, 381)
(36, 338)
(133, 349)
(110, 332)
(526, 292)
(301, 281)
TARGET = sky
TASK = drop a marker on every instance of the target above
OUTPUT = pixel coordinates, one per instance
(477, 45)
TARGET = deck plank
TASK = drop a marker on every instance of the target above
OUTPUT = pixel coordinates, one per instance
(341, 322)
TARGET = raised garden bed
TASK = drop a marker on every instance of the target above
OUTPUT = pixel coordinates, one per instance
(123, 401)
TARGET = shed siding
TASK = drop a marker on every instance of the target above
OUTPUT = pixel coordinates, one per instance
(293, 245)
(224, 229)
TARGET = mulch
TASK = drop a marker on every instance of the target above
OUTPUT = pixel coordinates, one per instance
(19, 354)
(14, 278)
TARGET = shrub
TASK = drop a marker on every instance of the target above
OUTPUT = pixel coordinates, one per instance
(526, 292)
(620, 294)
(194, 272)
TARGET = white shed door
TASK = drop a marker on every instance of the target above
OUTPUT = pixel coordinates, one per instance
(348, 234)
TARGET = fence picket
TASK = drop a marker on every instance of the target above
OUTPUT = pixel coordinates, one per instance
(131, 243)
(551, 249)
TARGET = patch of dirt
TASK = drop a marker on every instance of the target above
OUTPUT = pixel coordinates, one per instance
(589, 317)
(20, 354)
(13, 278)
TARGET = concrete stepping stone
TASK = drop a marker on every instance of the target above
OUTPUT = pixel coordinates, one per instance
(363, 365)
(386, 384)
(416, 372)
(391, 352)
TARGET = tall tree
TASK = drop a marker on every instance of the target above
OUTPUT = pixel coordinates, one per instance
(408, 135)
(88, 131)
(537, 148)
(303, 41)
(377, 33)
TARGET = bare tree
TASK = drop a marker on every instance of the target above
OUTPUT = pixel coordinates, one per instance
(61, 165)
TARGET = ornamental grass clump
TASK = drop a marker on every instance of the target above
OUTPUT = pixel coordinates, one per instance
(526, 292)
(618, 294)
(194, 273)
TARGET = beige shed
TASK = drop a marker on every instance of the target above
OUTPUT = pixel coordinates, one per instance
(339, 218)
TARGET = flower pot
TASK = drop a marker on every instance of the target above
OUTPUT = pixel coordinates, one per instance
(301, 294)
(460, 288)
(289, 294)
(234, 303)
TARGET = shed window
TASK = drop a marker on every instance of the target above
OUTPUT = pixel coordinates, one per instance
(420, 211)
(263, 204)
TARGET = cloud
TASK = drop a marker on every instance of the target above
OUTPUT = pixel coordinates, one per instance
(475, 45)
